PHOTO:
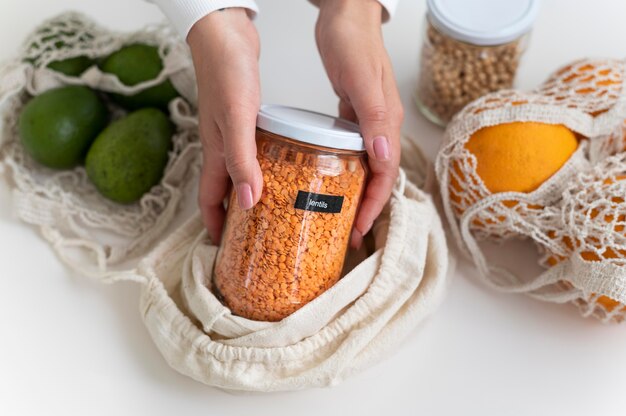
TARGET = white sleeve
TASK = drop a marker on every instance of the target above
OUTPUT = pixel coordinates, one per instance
(185, 13)
(388, 5)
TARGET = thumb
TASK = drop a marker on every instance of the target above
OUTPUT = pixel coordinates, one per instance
(376, 126)
(240, 150)
(372, 112)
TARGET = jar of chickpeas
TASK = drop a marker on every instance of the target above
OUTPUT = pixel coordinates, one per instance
(290, 247)
(470, 48)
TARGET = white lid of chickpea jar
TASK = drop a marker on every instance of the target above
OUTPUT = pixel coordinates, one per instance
(483, 22)
(310, 127)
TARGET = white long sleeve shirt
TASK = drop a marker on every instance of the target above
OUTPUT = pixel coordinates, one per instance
(185, 13)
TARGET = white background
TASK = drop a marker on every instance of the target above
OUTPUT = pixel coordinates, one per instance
(69, 346)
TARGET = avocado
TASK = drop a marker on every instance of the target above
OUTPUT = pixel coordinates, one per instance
(72, 67)
(134, 64)
(128, 158)
(58, 126)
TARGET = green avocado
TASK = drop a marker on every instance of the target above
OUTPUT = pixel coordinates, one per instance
(128, 158)
(138, 63)
(57, 127)
(72, 67)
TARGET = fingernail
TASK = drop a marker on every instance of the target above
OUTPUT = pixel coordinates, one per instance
(357, 239)
(381, 148)
(244, 196)
(368, 228)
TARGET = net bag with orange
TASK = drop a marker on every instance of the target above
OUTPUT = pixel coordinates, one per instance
(545, 167)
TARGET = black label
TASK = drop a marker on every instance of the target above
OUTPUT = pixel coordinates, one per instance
(309, 201)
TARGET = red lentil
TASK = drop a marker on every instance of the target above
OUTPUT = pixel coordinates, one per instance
(276, 257)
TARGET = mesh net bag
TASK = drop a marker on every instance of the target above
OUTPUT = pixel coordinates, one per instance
(72, 216)
(588, 98)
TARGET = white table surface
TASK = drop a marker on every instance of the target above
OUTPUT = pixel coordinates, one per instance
(69, 346)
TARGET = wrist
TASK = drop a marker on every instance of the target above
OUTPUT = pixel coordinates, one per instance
(369, 12)
(220, 25)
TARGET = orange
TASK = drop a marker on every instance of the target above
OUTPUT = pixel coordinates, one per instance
(511, 157)
(608, 303)
(520, 156)
(597, 82)
(608, 252)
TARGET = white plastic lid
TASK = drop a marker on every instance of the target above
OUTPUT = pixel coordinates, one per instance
(483, 22)
(310, 127)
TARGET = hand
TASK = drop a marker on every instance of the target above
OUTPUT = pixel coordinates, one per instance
(225, 50)
(351, 46)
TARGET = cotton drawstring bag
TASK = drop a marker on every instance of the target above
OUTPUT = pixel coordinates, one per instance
(385, 293)
(353, 325)
(72, 216)
(576, 217)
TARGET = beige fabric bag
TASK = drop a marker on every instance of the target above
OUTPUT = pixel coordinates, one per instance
(353, 325)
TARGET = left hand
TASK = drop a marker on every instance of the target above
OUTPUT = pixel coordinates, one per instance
(350, 42)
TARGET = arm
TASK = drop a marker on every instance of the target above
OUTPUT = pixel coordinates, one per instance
(350, 42)
(389, 7)
(225, 50)
(185, 13)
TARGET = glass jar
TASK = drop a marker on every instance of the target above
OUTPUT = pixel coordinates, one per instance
(470, 48)
(290, 247)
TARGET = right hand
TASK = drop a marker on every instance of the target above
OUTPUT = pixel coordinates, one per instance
(225, 50)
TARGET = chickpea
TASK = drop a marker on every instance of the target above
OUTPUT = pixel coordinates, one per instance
(454, 73)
